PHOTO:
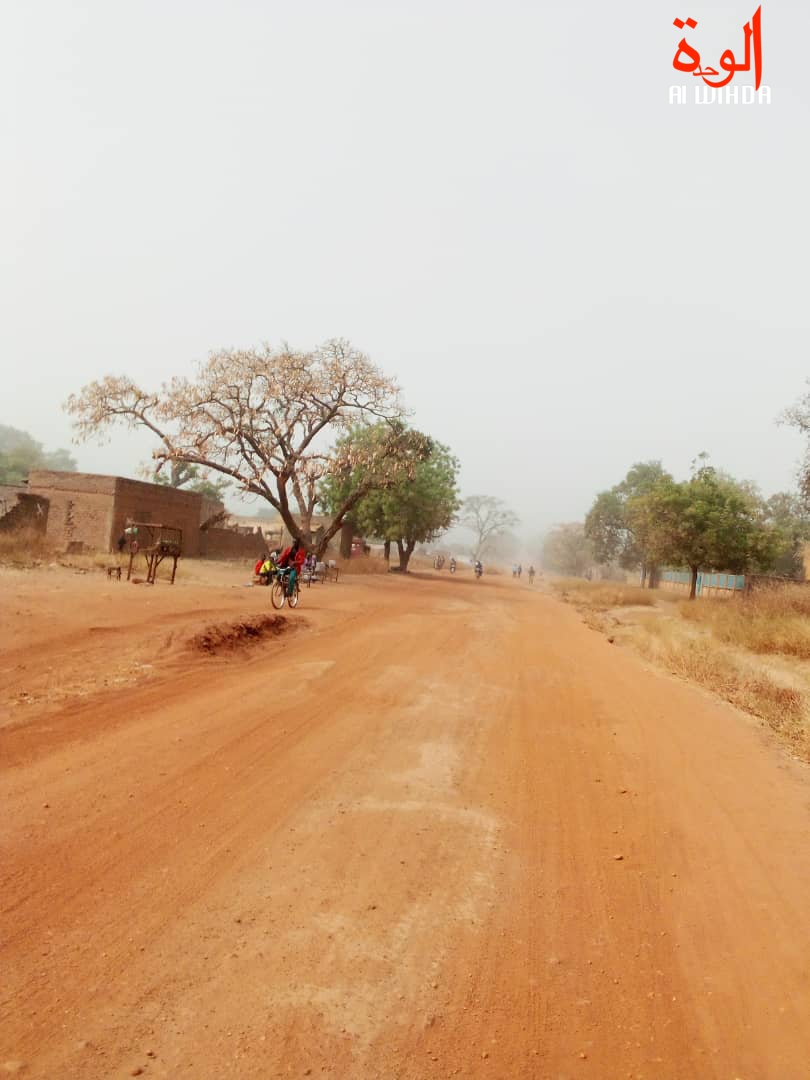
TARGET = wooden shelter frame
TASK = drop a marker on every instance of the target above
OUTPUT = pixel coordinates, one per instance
(156, 543)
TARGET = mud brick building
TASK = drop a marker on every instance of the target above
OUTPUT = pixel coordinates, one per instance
(89, 512)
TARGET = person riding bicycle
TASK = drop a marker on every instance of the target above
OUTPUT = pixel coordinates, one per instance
(453, 564)
(478, 567)
(293, 558)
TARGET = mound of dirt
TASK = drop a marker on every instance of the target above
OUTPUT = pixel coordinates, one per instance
(225, 637)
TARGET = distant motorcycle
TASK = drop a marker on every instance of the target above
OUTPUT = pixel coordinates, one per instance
(478, 570)
(452, 566)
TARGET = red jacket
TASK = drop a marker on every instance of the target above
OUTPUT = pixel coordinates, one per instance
(300, 558)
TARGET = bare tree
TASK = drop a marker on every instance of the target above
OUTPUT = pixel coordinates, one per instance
(488, 518)
(268, 419)
(798, 416)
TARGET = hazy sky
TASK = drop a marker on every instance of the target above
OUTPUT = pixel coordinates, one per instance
(494, 200)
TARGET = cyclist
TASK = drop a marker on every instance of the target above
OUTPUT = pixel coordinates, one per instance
(293, 557)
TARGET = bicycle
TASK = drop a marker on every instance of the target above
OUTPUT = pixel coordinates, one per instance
(280, 590)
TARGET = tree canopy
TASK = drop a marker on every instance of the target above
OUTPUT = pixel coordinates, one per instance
(20, 453)
(193, 478)
(798, 416)
(270, 420)
(709, 522)
(416, 510)
(790, 515)
(616, 524)
(567, 550)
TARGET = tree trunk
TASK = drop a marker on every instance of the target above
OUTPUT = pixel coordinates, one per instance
(346, 537)
(693, 583)
(387, 550)
(654, 577)
(643, 574)
(405, 551)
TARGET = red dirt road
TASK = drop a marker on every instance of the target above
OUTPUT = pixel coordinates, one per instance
(386, 846)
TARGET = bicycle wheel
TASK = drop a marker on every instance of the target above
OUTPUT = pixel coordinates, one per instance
(292, 599)
(278, 593)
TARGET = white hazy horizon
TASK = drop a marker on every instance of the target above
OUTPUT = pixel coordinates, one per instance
(496, 202)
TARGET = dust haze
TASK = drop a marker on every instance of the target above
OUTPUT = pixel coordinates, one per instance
(565, 273)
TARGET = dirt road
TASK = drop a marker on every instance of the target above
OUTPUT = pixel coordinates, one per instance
(442, 829)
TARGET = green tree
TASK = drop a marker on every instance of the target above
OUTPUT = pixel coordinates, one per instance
(567, 550)
(708, 523)
(616, 528)
(192, 478)
(790, 515)
(20, 453)
(415, 510)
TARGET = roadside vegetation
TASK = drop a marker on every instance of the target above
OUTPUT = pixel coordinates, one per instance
(771, 621)
(751, 649)
(601, 595)
(753, 652)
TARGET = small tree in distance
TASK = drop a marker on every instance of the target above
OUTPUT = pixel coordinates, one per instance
(798, 416)
(20, 453)
(487, 518)
(567, 550)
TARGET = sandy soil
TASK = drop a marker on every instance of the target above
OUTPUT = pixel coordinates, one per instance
(427, 828)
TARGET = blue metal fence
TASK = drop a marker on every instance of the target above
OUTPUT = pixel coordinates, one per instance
(726, 582)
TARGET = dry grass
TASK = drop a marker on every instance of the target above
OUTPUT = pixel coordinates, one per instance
(708, 663)
(23, 548)
(752, 652)
(602, 595)
(771, 621)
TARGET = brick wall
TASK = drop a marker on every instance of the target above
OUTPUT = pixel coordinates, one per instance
(160, 504)
(81, 507)
(93, 510)
(211, 509)
(229, 544)
(29, 513)
(8, 496)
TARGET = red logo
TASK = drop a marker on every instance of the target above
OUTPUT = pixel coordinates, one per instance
(753, 31)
